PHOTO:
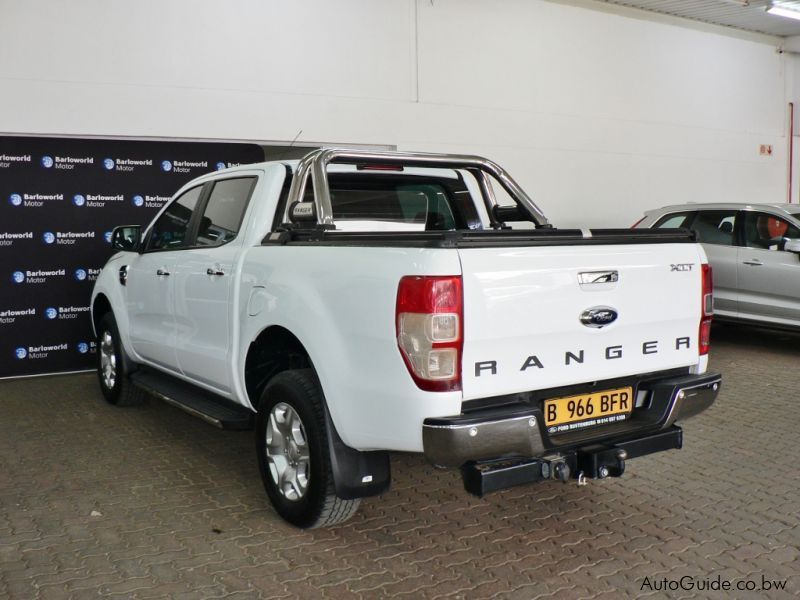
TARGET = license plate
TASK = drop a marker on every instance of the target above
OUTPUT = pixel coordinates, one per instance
(588, 410)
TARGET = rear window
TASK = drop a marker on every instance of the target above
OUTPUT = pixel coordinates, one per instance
(380, 202)
(415, 207)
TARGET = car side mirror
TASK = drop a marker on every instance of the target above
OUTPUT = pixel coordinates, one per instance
(127, 238)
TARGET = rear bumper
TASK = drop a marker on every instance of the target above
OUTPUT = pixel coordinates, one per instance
(518, 432)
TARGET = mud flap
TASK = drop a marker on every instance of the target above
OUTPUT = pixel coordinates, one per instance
(356, 474)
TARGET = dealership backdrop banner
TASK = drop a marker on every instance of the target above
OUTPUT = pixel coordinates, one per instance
(59, 200)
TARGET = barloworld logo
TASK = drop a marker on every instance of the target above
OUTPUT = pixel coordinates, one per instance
(47, 162)
(33, 352)
(67, 238)
(65, 312)
(37, 276)
(107, 236)
(150, 201)
(96, 200)
(166, 166)
(127, 164)
(8, 316)
(7, 238)
(82, 347)
(67, 163)
(220, 166)
(6, 160)
(83, 274)
(33, 200)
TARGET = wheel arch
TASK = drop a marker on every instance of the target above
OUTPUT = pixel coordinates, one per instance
(100, 306)
(276, 349)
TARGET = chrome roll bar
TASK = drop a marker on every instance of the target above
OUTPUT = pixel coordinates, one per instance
(315, 163)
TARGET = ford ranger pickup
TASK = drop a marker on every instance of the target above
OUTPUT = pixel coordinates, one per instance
(354, 303)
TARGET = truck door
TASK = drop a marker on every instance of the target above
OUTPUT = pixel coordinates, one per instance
(151, 286)
(204, 282)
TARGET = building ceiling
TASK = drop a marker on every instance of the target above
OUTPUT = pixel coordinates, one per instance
(748, 15)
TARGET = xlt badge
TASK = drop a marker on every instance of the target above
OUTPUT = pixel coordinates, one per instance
(681, 267)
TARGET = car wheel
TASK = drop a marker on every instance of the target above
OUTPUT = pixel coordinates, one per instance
(111, 373)
(293, 455)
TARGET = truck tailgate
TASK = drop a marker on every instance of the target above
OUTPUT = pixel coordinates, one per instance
(523, 306)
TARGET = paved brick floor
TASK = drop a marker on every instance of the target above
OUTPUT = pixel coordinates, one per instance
(144, 502)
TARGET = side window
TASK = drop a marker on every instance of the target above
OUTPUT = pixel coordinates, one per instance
(224, 211)
(768, 232)
(674, 220)
(172, 227)
(715, 226)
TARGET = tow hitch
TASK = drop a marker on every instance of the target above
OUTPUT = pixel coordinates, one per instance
(601, 462)
(596, 461)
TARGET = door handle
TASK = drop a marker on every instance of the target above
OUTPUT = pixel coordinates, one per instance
(162, 273)
(215, 271)
(753, 262)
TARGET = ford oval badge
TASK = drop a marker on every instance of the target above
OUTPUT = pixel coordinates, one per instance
(598, 316)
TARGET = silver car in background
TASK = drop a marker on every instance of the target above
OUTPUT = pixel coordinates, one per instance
(754, 251)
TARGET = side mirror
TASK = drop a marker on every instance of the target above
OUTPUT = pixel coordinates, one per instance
(792, 245)
(127, 238)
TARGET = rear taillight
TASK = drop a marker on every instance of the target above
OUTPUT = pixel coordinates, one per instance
(430, 325)
(707, 310)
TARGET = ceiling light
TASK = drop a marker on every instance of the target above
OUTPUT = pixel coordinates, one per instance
(783, 11)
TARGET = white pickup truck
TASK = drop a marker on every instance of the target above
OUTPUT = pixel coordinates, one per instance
(354, 303)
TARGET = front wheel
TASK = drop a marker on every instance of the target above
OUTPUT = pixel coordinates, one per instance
(293, 455)
(111, 373)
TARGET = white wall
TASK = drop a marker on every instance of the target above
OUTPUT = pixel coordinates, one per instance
(599, 115)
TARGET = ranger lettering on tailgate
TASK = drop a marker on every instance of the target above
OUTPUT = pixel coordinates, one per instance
(578, 357)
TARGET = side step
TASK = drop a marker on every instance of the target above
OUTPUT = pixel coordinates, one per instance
(196, 401)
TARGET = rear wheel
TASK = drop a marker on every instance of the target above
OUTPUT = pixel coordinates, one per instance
(293, 456)
(111, 372)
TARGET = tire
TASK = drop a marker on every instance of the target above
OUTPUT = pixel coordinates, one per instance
(293, 455)
(112, 373)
